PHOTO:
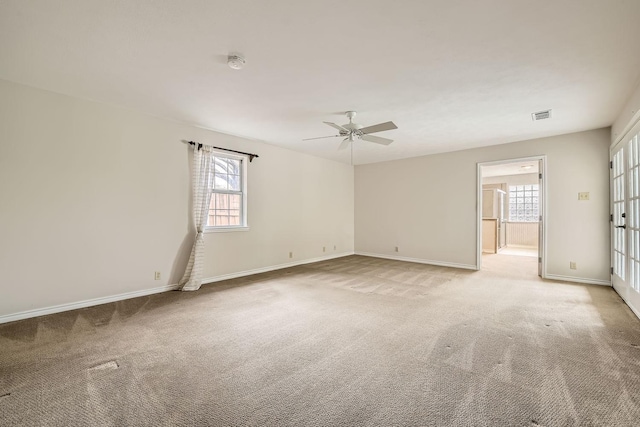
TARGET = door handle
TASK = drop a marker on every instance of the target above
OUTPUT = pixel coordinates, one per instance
(621, 226)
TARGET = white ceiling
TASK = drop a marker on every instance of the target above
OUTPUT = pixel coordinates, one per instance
(452, 74)
(513, 168)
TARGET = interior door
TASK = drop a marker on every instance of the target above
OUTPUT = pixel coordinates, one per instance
(502, 240)
(540, 214)
(625, 219)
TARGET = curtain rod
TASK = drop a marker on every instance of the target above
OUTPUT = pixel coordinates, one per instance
(251, 155)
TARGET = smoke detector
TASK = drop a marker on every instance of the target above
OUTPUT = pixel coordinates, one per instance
(236, 62)
(541, 115)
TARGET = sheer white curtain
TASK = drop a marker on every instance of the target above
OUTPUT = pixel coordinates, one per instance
(202, 182)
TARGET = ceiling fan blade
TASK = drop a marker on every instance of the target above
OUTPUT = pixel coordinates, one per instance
(320, 137)
(333, 125)
(378, 128)
(344, 144)
(377, 139)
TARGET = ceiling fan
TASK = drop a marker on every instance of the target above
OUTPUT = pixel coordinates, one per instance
(354, 131)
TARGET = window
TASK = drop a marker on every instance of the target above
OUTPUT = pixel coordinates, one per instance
(228, 193)
(523, 203)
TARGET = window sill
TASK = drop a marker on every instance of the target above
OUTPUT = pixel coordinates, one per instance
(225, 229)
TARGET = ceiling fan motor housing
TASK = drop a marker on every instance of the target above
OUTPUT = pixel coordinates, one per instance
(350, 126)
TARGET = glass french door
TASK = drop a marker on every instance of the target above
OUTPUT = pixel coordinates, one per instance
(625, 219)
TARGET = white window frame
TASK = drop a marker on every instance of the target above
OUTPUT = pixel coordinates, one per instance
(244, 225)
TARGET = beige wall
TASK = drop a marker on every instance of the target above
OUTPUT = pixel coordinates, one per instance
(408, 203)
(520, 179)
(95, 199)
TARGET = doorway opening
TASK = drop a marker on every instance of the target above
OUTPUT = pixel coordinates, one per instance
(511, 215)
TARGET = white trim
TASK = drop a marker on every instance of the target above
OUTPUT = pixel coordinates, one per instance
(479, 216)
(633, 309)
(620, 144)
(578, 280)
(272, 268)
(83, 304)
(543, 208)
(627, 130)
(211, 229)
(419, 260)
(244, 162)
(113, 298)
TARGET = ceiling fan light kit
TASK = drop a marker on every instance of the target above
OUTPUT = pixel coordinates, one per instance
(353, 131)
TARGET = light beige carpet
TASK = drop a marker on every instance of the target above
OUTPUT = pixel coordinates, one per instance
(355, 341)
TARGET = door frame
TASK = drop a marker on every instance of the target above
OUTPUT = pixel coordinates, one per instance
(542, 244)
(630, 130)
(613, 149)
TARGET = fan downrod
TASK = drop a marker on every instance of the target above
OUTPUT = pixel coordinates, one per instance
(351, 115)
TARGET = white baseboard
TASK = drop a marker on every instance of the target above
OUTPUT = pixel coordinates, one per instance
(633, 309)
(419, 260)
(113, 298)
(578, 280)
(83, 304)
(273, 267)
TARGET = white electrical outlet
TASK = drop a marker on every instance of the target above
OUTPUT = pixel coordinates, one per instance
(157, 276)
(324, 249)
(334, 247)
(583, 196)
(290, 254)
(572, 265)
(397, 249)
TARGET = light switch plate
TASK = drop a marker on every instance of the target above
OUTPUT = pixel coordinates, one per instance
(583, 196)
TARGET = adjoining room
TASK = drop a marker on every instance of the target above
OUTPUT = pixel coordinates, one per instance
(512, 207)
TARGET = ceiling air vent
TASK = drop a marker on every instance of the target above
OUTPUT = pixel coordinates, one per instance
(541, 115)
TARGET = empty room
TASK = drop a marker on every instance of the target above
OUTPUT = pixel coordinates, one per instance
(292, 213)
